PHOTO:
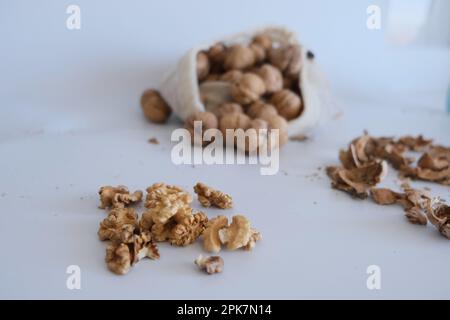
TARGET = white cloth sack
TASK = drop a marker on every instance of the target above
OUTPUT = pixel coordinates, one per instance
(181, 90)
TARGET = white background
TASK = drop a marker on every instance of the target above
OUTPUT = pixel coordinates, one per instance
(70, 122)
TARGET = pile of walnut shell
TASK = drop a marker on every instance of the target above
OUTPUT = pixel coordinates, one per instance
(169, 217)
(264, 86)
(364, 165)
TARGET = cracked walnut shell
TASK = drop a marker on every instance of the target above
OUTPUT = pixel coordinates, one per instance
(208, 197)
(439, 215)
(117, 197)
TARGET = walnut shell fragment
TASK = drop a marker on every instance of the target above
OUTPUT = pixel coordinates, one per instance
(210, 265)
(210, 197)
(358, 181)
(118, 197)
(439, 215)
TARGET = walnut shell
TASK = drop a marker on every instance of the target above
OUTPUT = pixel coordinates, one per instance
(287, 59)
(208, 119)
(264, 40)
(227, 108)
(234, 121)
(272, 77)
(155, 108)
(202, 66)
(280, 123)
(231, 76)
(217, 53)
(261, 109)
(259, 52)
(252, 141)
(239, 57)
(248, 89)
(288, 104)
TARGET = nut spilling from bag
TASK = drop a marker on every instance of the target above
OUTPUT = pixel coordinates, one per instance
(243, 86)
(169, 218)
(364, 166)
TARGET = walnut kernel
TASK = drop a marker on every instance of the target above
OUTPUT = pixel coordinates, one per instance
(208, 197)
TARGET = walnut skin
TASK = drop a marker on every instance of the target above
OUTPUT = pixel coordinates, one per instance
(202, 66)
(272, 77)
(239, 57)
(288, 104)
(248, 89)
(155, 108)
(208, 197)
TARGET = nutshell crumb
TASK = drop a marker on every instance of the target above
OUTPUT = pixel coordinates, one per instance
(153, 141)
(299, 138)
(210, 265)
(208, 197)
(118, 197)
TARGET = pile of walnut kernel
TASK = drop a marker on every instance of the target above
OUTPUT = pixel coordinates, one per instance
(364, 165)
(170, 218)
(265, 88)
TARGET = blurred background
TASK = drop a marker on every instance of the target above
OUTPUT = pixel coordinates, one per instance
(54, 79)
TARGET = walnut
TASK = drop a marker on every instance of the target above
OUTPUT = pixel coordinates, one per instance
(288, 104)
(254, 141)
(259, 52)
(202, 66)
(234, 121)
(287, 59)
(112, 226)
(217, 53)
(117, 197)
(208, 121)
(155, 108)
(279, 123)
(187, 228)
(358, 181)
(248, 89)
(208, 197)
(230, 107)
(210, 265)
(239, 57)
(264, 40)
(163, 202)
(239, 234)
(120, 257)
(231, 76)
(211, 241)
(439, 215)
(212, 77)
(272, 77)
(261, 109)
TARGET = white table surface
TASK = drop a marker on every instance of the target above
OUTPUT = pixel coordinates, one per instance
(70, 122)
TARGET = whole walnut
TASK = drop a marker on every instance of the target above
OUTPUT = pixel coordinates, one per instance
(230, 107)
(287, 59)
(288, 104)
(231, 76)
(234, 121)
(259, 52)
(272, 77)
(254, 141)
(155, 108)
(217, 53)
(202, 66)
(264, 40)
(261, 109)
(248, 89)
(239, 57)
(208, 121)
(278, 122)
